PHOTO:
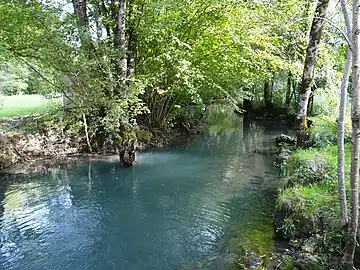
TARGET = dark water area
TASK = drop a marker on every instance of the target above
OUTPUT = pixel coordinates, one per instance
(183, 207)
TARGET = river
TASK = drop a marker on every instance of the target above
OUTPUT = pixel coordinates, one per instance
(182, 207)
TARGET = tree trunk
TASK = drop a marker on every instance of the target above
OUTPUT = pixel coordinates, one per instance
(288, 91)
(80, 12)
(82, 21)
(131, 42)
(127, 152)
(267, 96)
(121, 25)
(355, 119)
(340, 131)
(308, 73)
(340, 141)
(130, 54)
(310, 103)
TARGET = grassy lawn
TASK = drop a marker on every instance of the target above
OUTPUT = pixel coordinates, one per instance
(25, 104)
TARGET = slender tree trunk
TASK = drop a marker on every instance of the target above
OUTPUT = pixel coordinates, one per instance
(121, 25)
(288, 91)
(87, 133)
(311, 102)
(340, 142)
(308, 74)
(131, 42)
(130, 54)
(126, 147)
(267, 97)
(341, 118)
(355, 119)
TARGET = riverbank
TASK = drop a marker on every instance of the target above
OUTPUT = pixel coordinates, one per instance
(28, 145)
(307, 209)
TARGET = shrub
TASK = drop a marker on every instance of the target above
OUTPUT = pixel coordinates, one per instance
(323, 131)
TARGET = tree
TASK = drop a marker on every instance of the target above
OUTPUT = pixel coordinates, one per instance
(309, 67)
(341, 118)
(147, 62)
(355, 119)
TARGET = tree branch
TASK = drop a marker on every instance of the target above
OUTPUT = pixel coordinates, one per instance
(345, 36)
(44, 78)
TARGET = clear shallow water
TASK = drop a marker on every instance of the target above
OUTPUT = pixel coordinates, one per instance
(178, 208)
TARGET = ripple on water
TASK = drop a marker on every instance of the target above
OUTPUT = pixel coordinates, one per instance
(176, 208)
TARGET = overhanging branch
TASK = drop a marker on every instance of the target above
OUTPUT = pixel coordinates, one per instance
(345, 36)
(44, 78)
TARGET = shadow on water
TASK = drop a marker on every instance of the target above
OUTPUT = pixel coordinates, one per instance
(183, 207)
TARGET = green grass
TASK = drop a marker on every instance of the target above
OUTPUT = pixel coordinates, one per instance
(313, 198)
(299, 172)
(21, 105)
(307, 200)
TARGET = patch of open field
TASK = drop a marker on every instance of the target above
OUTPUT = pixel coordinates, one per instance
(26, 104)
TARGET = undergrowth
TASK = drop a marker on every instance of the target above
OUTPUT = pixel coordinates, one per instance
(309, 203)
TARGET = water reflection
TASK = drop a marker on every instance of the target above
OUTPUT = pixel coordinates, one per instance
(176, 208)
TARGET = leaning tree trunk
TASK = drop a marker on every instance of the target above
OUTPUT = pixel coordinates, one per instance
(355, 119)
(341, 118)
(308, 73)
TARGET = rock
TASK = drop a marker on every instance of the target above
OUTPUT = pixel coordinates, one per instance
(283, 156)
(308, 262)
(284, 153)
(309, 245)
(284, 139)
(316, 167)
(252, 261)
(307, 172)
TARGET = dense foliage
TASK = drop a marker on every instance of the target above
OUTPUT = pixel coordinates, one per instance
(186, 54)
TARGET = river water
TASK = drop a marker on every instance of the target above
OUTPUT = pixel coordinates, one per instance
(183, 207)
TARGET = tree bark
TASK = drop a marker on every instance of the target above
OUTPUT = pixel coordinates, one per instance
(121, 25)
(308, 73)
(355, 119)
(340, 131)
(267, 96)
(127, 153)
(82, 21)
(80, 12)
(130, 53)
(340, 142)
